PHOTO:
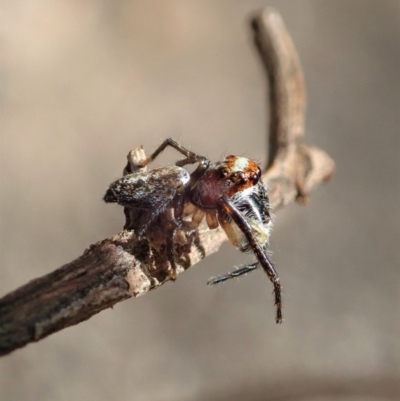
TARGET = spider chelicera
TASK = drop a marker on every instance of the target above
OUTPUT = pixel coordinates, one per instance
(229, 193)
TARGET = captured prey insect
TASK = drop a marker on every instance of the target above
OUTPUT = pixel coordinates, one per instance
(229, 193)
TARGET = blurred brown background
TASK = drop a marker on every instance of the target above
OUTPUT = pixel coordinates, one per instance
(85, 81)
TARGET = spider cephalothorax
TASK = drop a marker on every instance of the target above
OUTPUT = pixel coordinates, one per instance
(229, 177)
(229, 193)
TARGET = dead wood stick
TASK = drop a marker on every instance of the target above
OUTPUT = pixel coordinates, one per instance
(120, 267)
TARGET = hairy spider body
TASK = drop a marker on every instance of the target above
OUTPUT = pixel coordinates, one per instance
(229, 193)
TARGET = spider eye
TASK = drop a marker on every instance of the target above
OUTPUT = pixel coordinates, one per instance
(243, 179)
(256, 177)
(222, 173)
(238, 178)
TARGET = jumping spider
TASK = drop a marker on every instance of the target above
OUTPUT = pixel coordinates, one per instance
(229, 193)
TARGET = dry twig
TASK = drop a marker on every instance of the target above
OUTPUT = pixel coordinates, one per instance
(120, 267)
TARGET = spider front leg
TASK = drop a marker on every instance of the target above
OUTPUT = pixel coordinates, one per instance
(228, 207)
(239, 272)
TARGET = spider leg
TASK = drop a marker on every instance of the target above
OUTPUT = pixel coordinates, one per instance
(229, 208)
(191, 157)
(235, 273)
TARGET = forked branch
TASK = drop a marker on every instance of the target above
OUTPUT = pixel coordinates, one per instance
(120, 267)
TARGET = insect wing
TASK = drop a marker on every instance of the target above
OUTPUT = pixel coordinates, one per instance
(148, 190)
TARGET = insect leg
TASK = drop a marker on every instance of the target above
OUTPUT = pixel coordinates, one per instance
(236, 273)
(191, 157)
(229, 208)
(179, 202)
(149, 218)
(171, 256)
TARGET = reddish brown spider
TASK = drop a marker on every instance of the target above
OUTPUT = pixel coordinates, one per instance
(229, 193)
